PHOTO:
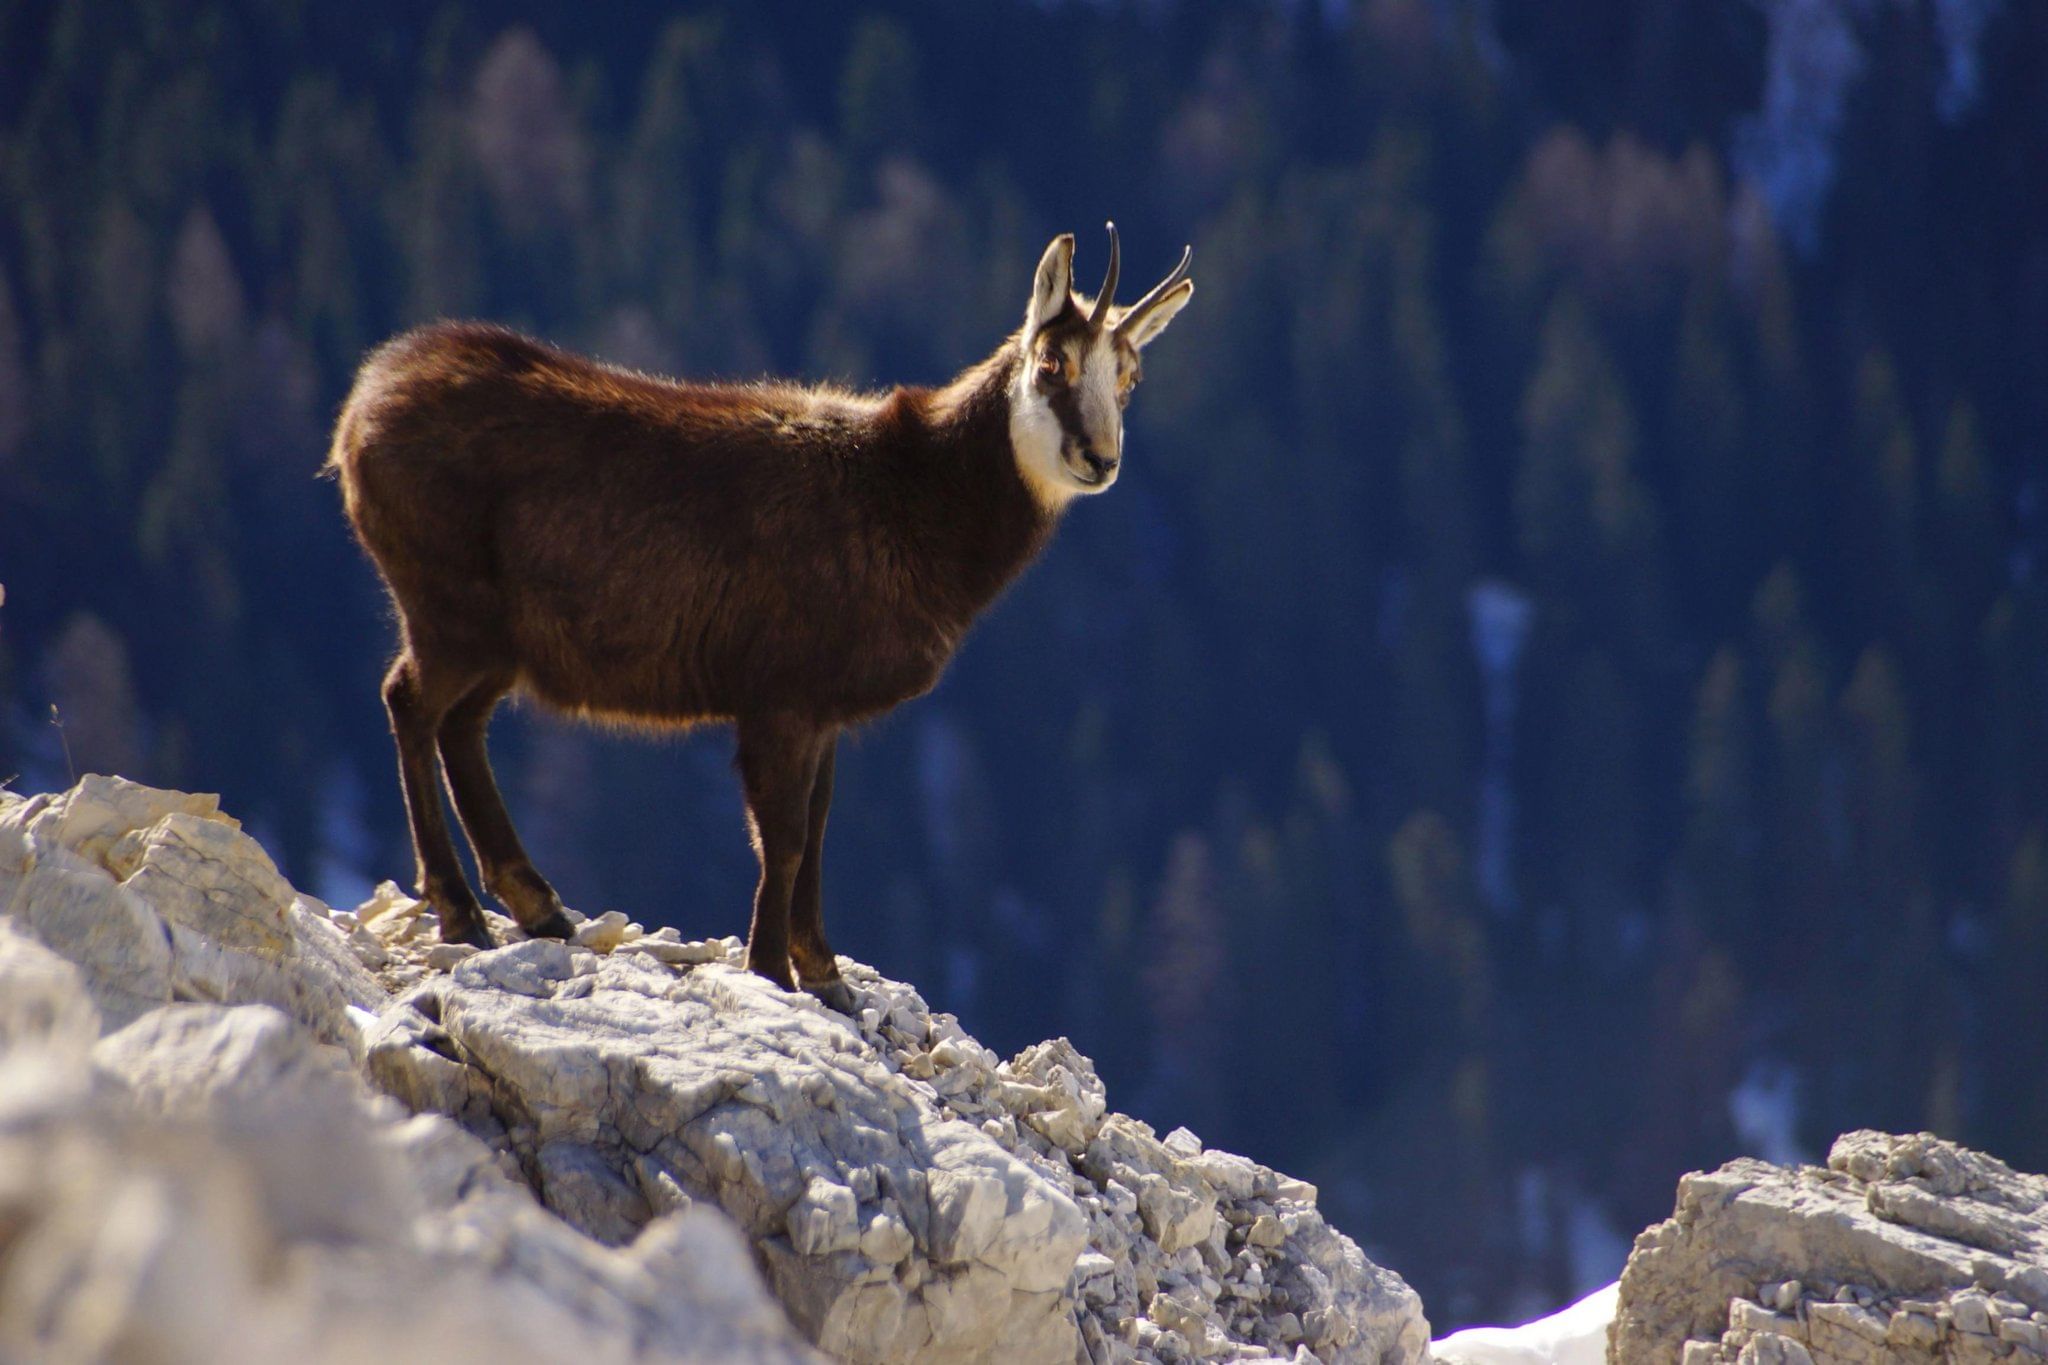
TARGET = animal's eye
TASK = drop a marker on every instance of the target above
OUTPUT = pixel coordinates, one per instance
(1052, 365)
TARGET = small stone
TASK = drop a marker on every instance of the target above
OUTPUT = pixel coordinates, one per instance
(1913, 1331)
(1174, 1218)
(2030, 1283)
(1745, 1316)
(443, 957)
(2024, 1332)
(1232, 1176)
(1971, 1312)
(604, 933)
(673, 954)
(387, 899)
(886, 1240)
(1699, 1352)
(1768, 1348)
(1849, 1317)
(1327, 1330)
(1266, 1231)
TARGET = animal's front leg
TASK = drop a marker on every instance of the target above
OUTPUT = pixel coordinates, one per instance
(778, 762)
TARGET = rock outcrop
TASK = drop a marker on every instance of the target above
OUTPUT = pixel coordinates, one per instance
(1907, 1250)
(356, 1136)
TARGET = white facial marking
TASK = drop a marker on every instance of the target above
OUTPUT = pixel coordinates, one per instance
(1053, 466)
(1101, 415)
(1035, 441)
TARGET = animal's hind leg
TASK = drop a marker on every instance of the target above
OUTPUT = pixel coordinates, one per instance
(778, 762)
(415, 713)
(508, 873)
(817, 967)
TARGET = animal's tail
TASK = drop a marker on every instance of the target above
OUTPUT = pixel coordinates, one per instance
(342, 442)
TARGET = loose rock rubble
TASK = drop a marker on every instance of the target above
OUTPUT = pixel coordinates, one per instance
(907, 1195)
(1191, 1254)
(911, 1196)
(1902, 1250)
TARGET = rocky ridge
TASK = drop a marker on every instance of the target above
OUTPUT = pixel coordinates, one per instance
(603, 1148)
(1900, 1251)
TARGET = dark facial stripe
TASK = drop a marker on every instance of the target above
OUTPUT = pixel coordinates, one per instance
(1065, 402)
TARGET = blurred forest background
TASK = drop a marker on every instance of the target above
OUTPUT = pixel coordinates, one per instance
(1559, 698)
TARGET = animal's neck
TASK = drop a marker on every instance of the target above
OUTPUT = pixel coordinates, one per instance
(983, 519)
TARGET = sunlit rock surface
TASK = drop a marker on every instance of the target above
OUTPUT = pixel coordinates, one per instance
(615, 1149)
(1901, 1250)
(211, 1183)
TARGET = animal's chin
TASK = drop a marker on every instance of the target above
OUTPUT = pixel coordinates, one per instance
(1087, 480)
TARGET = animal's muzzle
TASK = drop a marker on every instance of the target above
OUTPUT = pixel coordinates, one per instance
(1098, 467)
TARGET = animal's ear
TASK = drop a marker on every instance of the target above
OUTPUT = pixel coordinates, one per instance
(1052, 290)
(1143, 329)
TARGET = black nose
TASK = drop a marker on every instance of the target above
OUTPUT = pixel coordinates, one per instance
(1098, 466)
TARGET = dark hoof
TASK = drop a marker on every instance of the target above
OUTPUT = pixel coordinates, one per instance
(473, 932)
(768, 973)
(836, 994)
(556, 925)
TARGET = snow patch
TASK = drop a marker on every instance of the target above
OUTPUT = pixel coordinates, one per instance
(1575, 1336)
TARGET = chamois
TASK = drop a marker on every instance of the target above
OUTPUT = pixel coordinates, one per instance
(791, 559)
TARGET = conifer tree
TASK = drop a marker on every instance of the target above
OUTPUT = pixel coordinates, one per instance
(1584, 520)
(14, 380)
(1715, 876)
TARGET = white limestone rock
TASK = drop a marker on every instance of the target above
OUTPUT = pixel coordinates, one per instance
(157, 896)
(912, 1197)
(1902, 1250)
(908, 1195)
(771, 1107)
(212, 1184)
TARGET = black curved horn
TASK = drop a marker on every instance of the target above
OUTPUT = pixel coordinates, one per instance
(1158, 291)
(1102, 300)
